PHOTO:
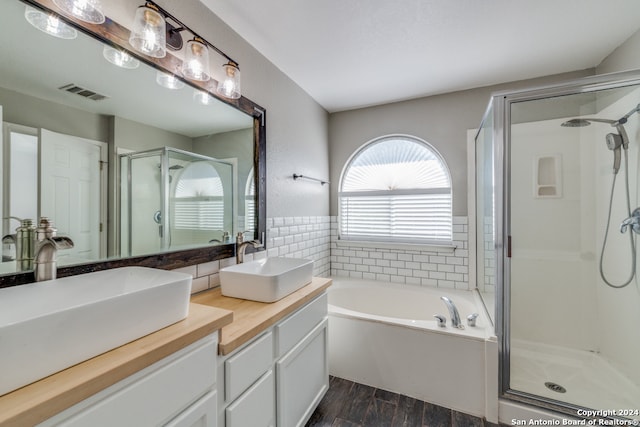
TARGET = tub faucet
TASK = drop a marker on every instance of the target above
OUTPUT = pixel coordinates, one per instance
(453, 312)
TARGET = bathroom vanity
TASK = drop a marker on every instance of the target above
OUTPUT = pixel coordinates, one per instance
(273, 361)
(231, 362)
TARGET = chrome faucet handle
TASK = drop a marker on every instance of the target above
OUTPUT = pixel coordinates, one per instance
(440, 320)
(633, 221)
(471, 319)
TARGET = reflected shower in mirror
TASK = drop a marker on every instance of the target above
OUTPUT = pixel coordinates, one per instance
(65, 128)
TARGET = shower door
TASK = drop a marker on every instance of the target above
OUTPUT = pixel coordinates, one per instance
(569, 295)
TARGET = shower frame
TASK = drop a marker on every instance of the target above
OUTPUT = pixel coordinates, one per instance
(164, 154)
(499, 111)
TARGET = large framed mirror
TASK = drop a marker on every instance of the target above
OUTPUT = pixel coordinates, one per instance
(134, 172)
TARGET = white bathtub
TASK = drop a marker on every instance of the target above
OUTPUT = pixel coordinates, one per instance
(384, 335)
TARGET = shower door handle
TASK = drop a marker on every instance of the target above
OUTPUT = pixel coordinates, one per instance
(633, 221)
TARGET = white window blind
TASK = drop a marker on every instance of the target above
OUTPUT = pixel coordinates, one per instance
(198, 203)
(199, 214)
(396, 189)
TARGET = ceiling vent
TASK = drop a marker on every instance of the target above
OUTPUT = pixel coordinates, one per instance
(85, 93)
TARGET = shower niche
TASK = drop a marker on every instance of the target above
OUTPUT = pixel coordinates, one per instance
(172, 199)
(547, 176)
(556, 177)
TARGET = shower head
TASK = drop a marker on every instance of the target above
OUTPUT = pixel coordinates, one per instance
(576, 123)
(172, 168)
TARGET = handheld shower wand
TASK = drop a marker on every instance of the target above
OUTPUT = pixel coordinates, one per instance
(615, 142)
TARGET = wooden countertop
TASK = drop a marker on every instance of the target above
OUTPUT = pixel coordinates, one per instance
(250, 318)
(43, 399)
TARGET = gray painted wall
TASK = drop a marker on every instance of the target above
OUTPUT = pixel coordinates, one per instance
(26, 110)
(441, 120)
(624, 57)
(297, 126)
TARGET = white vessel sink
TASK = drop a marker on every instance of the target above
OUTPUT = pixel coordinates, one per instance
(48, 326)
(265, 280)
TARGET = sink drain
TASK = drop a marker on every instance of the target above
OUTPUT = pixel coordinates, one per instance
(555, 387)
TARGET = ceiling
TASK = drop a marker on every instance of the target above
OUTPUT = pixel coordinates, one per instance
(353, 53)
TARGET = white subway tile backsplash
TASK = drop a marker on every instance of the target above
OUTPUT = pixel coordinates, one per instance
(315, 237)
(429, 267)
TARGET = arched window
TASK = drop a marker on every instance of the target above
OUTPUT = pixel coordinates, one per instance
(396, 189)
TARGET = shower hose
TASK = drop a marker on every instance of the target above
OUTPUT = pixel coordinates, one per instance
(632, 242)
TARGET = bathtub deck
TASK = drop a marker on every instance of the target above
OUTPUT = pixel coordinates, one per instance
(349, 404)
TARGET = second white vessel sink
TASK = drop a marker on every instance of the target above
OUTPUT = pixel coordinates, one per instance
(48, 326)
(266, 280)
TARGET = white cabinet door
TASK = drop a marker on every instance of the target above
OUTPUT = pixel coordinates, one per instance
(203, 413)
(154, 396)
(256, 407)
(302, 378)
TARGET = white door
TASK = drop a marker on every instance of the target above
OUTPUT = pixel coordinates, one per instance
(70, 191)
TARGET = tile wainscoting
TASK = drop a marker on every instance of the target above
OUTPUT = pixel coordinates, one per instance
(315, 237)
(426, 267)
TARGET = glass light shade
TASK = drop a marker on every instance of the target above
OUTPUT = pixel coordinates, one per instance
(49, 24)
(120, 58)
(229, 85)
(169, 81)
(202, 97)
(85, 10)
(196, 61)
(149, 34)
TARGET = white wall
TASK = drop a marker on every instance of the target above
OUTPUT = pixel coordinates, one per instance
(552, 277)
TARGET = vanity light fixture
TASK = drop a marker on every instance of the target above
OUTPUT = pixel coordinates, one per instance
(148, 34)
(120, 58)
(85, 10)
(152, 34)
(169, 81)
(195, 65)
(49, 23)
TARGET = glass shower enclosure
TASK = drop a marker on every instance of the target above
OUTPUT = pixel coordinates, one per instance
(173, 199)
(557, 193)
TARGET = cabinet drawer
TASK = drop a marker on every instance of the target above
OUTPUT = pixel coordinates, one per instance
(244, 368)
(157, 394)
(256, 407)
(291, 330)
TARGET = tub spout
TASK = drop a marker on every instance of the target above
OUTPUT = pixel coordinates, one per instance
(453, 312)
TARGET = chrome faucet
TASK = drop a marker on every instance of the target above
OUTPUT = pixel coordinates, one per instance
(453, 312)
(47, 245)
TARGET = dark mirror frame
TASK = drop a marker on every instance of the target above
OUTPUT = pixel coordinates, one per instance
(114, 34)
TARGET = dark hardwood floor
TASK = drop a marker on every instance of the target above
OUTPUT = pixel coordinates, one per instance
(349, 404)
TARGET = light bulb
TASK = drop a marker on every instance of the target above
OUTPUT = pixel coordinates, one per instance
(196, 61)
(120, 58)
(148, 34)
(169, 81)
(202, 97)
(229, 85)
